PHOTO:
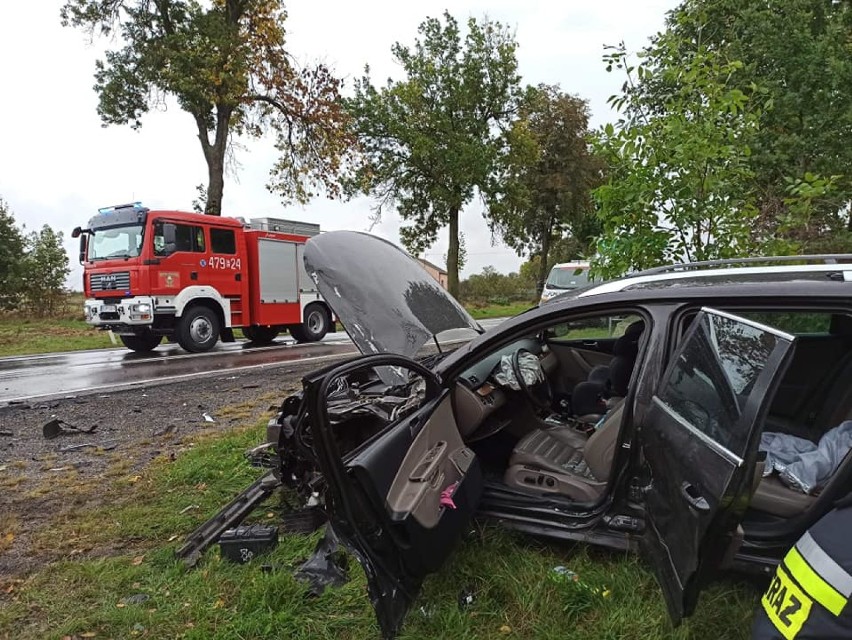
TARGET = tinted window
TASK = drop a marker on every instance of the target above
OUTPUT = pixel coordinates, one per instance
(223, 241)
(592, 328)
(714, 375)
(795, 322)
(187, 238)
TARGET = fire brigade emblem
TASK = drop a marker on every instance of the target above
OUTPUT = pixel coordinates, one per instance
(170, 280)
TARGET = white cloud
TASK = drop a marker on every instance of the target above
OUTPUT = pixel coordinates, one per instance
(58, 164)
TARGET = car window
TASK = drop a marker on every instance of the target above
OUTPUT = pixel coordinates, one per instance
(713, 378)
(592, 328)
(223, 240)
(794, 322)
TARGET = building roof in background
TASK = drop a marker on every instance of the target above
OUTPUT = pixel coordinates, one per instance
(431, 265)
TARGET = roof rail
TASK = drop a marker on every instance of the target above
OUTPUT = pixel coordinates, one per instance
(825, 258)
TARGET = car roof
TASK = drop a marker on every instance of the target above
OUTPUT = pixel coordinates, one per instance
(723, 273)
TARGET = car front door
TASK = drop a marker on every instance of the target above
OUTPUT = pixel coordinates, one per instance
(700, 442)
(402, 485)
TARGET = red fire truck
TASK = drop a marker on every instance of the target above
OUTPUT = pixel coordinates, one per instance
(194, 278)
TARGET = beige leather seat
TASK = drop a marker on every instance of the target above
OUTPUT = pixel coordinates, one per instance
(559, 460)
(772, 496)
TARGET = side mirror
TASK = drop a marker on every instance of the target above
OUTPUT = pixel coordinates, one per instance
(84, 245)
(76, 233)
(169, 237)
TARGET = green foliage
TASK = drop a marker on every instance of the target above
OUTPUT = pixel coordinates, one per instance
(680, 185)
(45, 266)
(798, 53)
(226, 64)
(33, 267)
(543, 189)
(12, 245)
(491, 287)
(430, 141)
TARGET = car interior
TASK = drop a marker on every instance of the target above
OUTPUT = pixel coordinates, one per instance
(543, 414)
(561, 441)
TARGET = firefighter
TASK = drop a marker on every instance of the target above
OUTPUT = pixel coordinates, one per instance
(809, 594)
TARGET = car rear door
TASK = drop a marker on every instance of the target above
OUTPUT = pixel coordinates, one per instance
(400, 499)
(700, 442)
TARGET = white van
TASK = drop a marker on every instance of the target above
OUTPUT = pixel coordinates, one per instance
(565, 277)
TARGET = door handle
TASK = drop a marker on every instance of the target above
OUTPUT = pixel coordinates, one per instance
(429, 463)
(590, 343)
(695, 499)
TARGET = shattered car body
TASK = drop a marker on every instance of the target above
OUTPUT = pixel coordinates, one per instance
(403, 451)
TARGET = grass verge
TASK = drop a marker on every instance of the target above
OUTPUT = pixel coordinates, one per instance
(498, 310)
(120, 579)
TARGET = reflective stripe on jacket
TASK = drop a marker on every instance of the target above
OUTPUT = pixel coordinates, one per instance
(809, 594)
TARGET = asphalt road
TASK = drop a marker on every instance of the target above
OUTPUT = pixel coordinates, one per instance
(79, 372)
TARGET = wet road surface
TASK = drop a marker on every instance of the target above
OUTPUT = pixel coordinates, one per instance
(79, 372)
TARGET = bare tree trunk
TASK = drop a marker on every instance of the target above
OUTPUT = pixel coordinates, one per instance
(542, 267)
(215, 182)
(214, 154)
(453, 254)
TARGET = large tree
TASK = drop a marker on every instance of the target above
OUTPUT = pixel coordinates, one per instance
(226, 64)
(45, 270)
(430, 141)
(12, 249)
(543, 192)
(798, 53)
(680, 186)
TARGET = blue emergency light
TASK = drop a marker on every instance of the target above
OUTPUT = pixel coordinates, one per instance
(129, 205)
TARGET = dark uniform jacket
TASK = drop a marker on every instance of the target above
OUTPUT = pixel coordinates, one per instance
(809, 594)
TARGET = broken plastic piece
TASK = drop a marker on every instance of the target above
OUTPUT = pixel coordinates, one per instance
(327, 566)
(447, 496)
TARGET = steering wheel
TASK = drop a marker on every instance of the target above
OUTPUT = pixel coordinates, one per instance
(538, 394)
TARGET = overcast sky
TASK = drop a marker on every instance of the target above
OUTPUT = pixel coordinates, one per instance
(58, 164)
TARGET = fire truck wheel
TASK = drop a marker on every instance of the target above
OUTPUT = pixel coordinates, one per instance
(314, 327)
(260, 335)
(198, 329)
(142, 342)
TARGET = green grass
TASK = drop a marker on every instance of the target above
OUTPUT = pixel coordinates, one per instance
(498, 310)
(516, 593)
(22, 336)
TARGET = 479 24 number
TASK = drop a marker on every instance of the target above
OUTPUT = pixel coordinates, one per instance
(218, 262)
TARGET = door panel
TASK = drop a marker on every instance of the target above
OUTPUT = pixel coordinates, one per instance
(700, 444)
(402, 499)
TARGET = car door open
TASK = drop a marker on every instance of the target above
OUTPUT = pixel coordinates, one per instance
(700, 442)
(400, 499)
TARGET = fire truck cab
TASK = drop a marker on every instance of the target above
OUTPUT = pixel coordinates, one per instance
(194, 278)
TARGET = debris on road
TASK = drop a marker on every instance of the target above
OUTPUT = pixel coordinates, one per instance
(56, 427)
(207, 417)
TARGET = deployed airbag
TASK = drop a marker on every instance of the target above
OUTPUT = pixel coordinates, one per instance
(530, 367)
(800, 463)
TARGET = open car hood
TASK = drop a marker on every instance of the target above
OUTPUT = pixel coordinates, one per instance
(385, 299)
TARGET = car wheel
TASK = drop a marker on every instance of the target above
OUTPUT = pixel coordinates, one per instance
(314, 327)
(198, 329)
(142, 342)
(260, 335)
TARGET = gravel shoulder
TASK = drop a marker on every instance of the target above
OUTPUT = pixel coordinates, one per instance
(42, 479)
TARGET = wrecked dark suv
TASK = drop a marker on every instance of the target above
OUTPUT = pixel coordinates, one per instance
(643, 413)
